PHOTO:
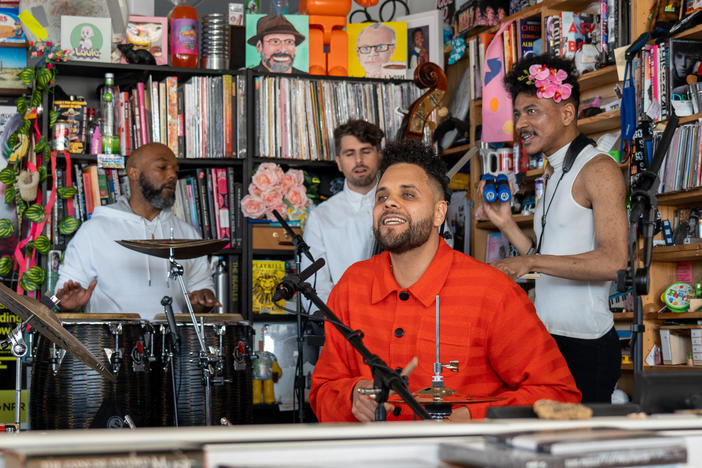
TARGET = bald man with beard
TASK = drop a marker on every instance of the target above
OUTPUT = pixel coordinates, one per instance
(101, 276)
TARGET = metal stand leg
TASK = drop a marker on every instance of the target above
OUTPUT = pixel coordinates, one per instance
(175, 393)
(205, 358)
(18, 348)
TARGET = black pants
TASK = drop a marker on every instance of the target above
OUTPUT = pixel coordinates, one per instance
(595, 364)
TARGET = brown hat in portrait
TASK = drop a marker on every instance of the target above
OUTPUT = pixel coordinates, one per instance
(274, 24)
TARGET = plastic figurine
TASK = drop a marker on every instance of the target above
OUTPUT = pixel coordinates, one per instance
(266, 372)
(328, 52)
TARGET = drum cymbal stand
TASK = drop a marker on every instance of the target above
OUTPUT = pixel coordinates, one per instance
(18, 348)
(207, 359)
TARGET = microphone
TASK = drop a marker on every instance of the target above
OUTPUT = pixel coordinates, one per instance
(291, 283)
(297, 240)
(168, 310)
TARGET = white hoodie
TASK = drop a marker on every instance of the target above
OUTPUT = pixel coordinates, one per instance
(129, 281)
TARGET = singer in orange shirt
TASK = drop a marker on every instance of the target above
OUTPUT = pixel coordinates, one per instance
(487, 322)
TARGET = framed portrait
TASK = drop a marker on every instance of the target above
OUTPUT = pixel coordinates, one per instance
(424, 39)
(149, 33)
(277, 43)
(377, 50)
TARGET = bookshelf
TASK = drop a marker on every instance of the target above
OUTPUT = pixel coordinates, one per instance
(83, 78)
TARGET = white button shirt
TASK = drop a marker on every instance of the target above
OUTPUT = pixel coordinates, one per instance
(339, 230)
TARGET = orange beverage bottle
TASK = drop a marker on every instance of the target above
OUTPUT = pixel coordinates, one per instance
(183, 28)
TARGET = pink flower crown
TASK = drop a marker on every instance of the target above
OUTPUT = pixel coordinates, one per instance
(548, 81)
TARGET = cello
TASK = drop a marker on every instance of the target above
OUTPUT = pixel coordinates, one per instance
(427, 75)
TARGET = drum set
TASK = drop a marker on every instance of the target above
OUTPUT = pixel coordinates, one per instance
(118, 370)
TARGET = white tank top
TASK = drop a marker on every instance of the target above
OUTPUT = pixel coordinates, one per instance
(574, 308)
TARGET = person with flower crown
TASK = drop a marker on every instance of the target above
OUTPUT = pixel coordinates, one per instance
(580, 224)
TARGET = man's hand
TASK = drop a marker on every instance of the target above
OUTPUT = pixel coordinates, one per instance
(203, 300)
(461, 414)
(74, 296)
(499, 213)
(514, 267)
(362, 406)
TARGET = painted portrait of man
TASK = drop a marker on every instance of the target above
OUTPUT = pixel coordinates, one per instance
(378, 48)
(275, 42)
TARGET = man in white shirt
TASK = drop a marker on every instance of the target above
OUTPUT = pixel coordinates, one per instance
(104, 277)
(340, 230)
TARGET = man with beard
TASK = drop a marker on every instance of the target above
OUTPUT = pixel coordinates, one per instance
(276, 41)
(580, 224)
(340, 230)
(392, 298)
(104, 277)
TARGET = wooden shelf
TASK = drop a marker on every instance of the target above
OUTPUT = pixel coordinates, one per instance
(182, 162)
(457, 149)
(681, 198)
(14, 91)
(566, 5)
(672, 367)
(675, 316)
(528, 12)
(594, 79)
(677, 253)
(627, 367)
(600, 122)
(296, 162)
(689, 118)
(521, 220)
(692, 33)
(623, 315)
(534, 173)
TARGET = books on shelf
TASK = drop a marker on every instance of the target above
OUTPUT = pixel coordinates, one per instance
(295, 117)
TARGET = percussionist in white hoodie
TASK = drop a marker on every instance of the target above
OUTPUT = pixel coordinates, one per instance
(103, 277)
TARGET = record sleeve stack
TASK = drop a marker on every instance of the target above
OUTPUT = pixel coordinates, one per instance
(572, 447)
(215, 41)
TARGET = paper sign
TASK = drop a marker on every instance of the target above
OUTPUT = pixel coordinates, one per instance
(33, 25)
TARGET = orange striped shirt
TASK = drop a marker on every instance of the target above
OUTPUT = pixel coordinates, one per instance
(487, 323)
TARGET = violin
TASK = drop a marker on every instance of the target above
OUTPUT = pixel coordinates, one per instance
(427, 75)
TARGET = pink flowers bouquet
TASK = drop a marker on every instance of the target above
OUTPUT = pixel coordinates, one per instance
(272, 189)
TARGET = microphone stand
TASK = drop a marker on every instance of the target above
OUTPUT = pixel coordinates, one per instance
(644, 206)
(300, 248)
(384, 378)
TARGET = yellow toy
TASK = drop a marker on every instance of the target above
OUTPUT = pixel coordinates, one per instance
(266, 372)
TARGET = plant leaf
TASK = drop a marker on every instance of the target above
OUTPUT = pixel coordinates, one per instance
(41, 244)
(36, 98)
(53, 116)
(68, 225)
(66, 192)
(5, 265)
(35, 213)
(6, 228)
(7, 176)
(33, 278)
(21, 103)
(27, 76)
(43, 173)
(10, 194)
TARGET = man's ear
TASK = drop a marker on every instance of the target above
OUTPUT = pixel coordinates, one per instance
(259, 47)
(568, 113)
(440, 212)
(133, 174)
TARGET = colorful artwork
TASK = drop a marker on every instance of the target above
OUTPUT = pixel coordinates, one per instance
(265, 276)
(277, 43)
(424, 43)
(89, 39)
(378, 50)
(497, 104)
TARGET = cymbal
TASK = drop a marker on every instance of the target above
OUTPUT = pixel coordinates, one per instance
(455, 399)
(49, 326)
(182, 248)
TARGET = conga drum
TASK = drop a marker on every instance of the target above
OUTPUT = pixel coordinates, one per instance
(227, 337)
(67, 394)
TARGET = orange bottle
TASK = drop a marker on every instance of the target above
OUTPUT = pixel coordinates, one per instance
(183, 27)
